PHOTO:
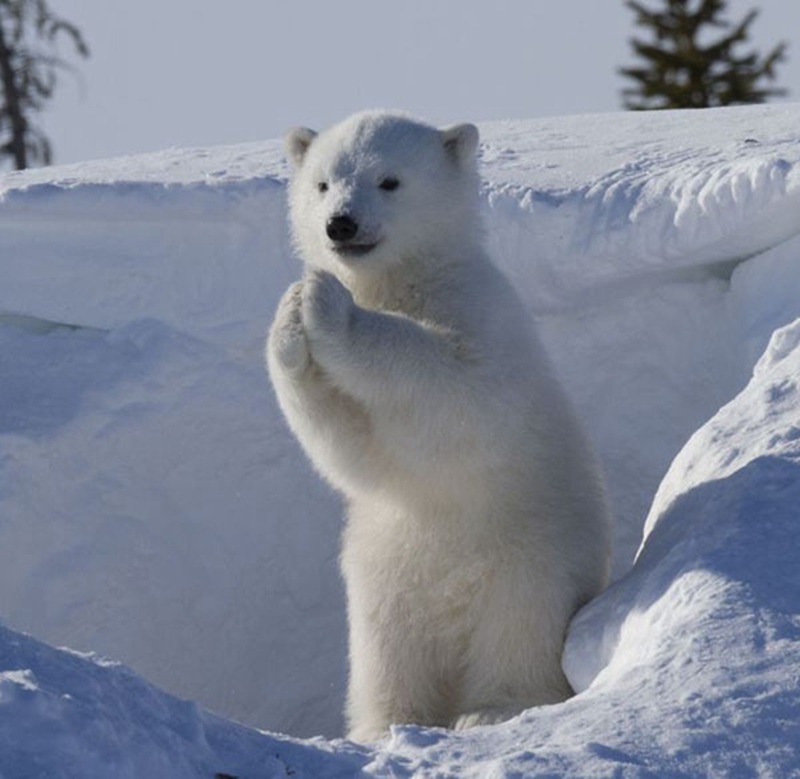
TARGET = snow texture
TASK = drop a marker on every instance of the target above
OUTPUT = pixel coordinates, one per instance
(154, 508)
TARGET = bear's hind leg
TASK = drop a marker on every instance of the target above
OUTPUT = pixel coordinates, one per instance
(398, 682)
(514, 659)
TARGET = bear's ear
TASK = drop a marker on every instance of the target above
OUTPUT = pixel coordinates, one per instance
(460, 141)
(296, 142)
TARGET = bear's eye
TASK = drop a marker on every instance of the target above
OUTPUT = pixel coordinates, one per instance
(322, 186)
(389, 184)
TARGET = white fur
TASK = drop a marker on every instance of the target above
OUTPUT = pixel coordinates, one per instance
(476, 518)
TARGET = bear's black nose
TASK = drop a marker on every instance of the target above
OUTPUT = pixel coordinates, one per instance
(341, 228)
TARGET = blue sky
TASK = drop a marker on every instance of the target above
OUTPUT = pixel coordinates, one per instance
(199, 72)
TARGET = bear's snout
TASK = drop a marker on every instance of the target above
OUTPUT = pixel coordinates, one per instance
(341, 228)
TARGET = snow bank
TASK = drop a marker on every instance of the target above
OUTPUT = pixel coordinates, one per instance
(66, 715)
(155, 509)
(630, 233)
(705, 628)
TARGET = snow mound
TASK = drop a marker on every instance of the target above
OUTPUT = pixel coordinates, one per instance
(154, 507)
(65, 714)
(705, 628)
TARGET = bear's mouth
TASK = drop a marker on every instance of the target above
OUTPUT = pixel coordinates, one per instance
(354, 249)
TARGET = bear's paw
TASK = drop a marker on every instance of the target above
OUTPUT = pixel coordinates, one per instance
(288, 334)
(327, 306)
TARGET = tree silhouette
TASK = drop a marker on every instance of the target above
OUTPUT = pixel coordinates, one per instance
(29, 68)
(685, 68)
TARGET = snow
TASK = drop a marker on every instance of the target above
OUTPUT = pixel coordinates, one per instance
(71, 715)
(154, 508)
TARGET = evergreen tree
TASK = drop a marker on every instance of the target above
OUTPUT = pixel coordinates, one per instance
(29, 66)
(686, 68)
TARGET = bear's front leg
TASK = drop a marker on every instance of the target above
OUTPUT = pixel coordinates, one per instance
(422, 384)
(332, 427)
(383, 358)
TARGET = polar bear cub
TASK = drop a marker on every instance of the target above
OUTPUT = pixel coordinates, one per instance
(405, 364)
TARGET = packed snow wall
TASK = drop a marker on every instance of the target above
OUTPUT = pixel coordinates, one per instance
(154, 507)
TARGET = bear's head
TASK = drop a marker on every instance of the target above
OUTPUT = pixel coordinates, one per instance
(380, 188)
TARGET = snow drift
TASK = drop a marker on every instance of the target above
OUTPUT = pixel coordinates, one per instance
(155, 509)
